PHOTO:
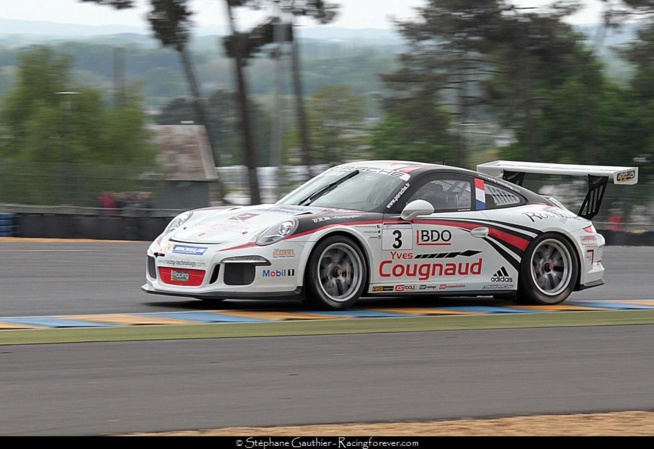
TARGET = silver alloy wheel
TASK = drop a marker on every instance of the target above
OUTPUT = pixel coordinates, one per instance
(339, 272)
(551, 267)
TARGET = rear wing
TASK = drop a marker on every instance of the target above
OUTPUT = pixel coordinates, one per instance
(598, 177)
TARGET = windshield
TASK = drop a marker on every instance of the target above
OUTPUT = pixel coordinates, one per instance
(345, 189)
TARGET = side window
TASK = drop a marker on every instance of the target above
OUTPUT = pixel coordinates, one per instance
(497, 197)
(445, 194)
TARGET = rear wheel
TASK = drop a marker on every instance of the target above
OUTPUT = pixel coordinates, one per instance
(549, 271)
(336, 274)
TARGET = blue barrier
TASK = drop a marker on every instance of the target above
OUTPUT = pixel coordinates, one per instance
(7, 224)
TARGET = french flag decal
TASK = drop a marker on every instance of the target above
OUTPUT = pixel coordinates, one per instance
(480, 194)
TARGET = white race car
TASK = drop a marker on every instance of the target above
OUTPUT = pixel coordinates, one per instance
(392, 228)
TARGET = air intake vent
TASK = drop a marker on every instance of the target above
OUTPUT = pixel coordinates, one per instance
(152, 270)
(214, 274)
(239, 273)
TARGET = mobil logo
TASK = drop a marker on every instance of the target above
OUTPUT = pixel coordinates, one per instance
(278, 273)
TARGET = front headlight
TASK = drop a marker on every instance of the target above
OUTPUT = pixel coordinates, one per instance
(277, 232)
(178, 221)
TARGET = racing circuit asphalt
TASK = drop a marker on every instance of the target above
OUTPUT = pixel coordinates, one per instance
(108, 387)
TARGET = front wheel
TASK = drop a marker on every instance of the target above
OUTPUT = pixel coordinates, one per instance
(549, 271)
(336, 274)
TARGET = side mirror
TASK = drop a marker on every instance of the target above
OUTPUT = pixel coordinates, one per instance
(416, 208)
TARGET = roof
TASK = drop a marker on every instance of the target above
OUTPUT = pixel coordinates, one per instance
(185, 153)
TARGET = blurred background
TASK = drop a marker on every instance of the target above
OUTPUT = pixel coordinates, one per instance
(129, 125)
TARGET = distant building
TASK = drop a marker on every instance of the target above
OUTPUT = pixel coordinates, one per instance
(188, 166)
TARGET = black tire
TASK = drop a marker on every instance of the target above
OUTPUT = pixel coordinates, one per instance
(336, 274)
(549, 271)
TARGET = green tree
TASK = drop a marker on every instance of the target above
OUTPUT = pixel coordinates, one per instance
(481, 60)
(640, 54)
(335, 120)
(612, 136)
(531, 54)
(392, 139)
(434, 89)
(55, 126)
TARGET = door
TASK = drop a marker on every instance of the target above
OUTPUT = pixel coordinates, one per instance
(443, 251)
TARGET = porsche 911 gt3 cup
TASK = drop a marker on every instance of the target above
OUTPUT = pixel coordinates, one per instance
(397, 228)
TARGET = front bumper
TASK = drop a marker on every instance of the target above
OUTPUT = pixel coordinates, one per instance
(213, 272)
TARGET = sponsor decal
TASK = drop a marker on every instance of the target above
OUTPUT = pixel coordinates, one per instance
(336, 217)
(234, 226)
(441, 286)
(182, 263)
(509, 185)
(466, 253)
(399, 255)
(501, 275)
(589, 240)
(403, 288)
(179, 276)
(446, 286)
(278, 273)
(189, 250)
(390, 172)
(549, 213)
(378, 288)
(186, 277)
(346, 217)
(283, 209)
(497, 287)
(375, 229)
(480, 194)
(399, 288)
(433, 237)
(424, 271)
(536, 216)
(398, 195)
(283, 253)
(625, 176)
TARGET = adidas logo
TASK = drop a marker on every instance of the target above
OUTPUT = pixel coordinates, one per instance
(501, 276)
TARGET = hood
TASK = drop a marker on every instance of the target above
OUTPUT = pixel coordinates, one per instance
(222, 225)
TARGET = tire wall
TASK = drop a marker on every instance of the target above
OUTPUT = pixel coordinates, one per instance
(69, 226)
(621, 238)
(101, 227)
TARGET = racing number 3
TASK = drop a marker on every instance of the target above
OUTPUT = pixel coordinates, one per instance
(394, 237)
(398, 239)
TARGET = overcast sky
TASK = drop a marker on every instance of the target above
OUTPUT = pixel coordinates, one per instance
(353, 13)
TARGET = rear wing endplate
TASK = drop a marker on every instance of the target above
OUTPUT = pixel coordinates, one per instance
(598, 177)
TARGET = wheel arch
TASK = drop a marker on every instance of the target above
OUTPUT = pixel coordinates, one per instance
(355, 237)
(569, 237)
(577, 251)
